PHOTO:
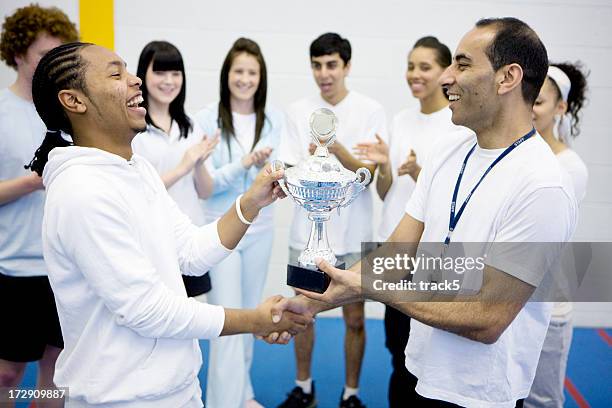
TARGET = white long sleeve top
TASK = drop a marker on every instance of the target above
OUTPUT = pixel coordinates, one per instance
(115, 245)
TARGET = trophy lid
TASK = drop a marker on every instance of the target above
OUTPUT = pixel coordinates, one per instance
(323, 124)
(320, 167)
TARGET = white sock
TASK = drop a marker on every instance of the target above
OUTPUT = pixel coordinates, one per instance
(349, 392)
(305, 385)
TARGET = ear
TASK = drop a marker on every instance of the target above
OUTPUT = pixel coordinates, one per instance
(18, 60)
(561, 108)
(347, 68)
(72, 101)
(509, 77)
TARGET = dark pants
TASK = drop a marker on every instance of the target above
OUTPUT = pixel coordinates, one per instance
(402, 384)
(423, 402)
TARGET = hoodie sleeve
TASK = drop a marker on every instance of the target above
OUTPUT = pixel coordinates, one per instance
(103, 245)
(198, 248)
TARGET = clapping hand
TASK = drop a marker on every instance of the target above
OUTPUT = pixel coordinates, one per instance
(410, 166)
(256, 158)
(198, 153)
(376, 152)
(335, 148)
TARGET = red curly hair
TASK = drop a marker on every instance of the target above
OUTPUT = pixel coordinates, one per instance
(22, 28)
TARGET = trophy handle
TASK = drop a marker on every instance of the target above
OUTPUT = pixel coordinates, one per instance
(276, 166)
(357, 186)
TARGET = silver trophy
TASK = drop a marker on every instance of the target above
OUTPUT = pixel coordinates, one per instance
(319, 184)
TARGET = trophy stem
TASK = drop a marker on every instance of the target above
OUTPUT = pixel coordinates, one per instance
(318, 244)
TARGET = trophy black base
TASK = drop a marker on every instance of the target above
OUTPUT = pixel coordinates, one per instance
(312, 279)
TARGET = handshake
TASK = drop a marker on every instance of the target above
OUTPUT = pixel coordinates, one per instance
(277, 319)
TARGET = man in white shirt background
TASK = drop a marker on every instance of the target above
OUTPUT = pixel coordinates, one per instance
(29, 316)
(508, 187)
(360, 119)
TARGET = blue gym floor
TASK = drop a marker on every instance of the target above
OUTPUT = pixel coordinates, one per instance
(589, 370)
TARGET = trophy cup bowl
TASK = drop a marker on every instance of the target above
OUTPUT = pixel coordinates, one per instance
(319, 184)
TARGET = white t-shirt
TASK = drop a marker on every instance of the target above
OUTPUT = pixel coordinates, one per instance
(525, 198)
(21, 133)
(577, 170)
(165, 152)
(411, 130)
(359, 119)
(575, 167)
(244, 129)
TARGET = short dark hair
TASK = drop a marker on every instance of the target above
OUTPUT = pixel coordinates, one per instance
(61, 68)
(443, 55)
(165, 57)
(331, 43)
(22, 28)
(516, 43)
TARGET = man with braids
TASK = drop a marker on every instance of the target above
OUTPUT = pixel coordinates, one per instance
(25, 295)
(116, 244)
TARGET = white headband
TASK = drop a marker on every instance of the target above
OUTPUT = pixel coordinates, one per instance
(561, 79)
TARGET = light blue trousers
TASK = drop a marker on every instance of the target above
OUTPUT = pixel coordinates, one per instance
(547, 388)
(237, 283)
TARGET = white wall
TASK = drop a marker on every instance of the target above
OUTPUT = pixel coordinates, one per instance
(381, 33)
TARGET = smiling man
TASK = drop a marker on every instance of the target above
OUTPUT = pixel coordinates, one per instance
(501, 186)
(116, 244)
(359, 120)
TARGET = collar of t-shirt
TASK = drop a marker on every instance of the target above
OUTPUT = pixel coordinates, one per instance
(244, 129)
(339, 105)
(173, 136)
(434, 117)
(476, 166)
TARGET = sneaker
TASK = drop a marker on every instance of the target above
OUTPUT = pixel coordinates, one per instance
(351, 402)
(297, 398)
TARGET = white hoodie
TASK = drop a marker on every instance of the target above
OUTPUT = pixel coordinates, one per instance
(115, 245)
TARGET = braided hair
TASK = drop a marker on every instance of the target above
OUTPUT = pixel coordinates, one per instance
(61, 68)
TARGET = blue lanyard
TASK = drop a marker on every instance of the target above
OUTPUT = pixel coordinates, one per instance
(454, 219)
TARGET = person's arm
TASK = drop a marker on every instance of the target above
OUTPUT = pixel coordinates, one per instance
(13, 189)
(227, 175)
(260, 321)
(378, 153)
(263, 192)
(384, 180)
(514, 268)
(193, 158)
(481, 318)
(377, 125)
(410, 166)
(100, 240)
(202, 180)
(200, 248)
(347, 159)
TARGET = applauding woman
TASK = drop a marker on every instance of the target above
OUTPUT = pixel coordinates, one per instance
(249, 132)
(172, 142)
